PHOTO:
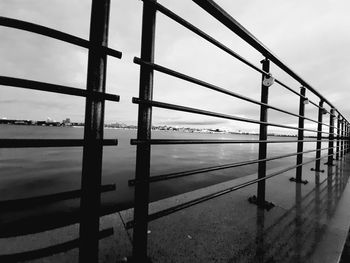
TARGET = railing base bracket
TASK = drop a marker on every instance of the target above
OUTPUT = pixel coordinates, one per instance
(320, 171)
(267, 205)
(292, 179)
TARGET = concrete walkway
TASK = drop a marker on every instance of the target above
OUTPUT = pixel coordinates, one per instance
(309, 223)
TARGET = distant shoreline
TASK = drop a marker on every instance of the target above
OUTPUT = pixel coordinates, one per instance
(157, 128)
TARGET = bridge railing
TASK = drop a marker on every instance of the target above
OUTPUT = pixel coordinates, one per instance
(146, 103)
(93, 142)
(91, 189)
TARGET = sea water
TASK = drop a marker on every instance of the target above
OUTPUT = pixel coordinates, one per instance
(27, 172)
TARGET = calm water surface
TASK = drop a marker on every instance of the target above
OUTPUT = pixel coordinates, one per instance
(35, 171)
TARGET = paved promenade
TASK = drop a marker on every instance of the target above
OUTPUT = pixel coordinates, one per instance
(309, 223)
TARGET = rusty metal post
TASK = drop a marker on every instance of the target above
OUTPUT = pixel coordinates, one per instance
(300, 147)
(93, 134)
(319, 138)
(331, 138)
(263, 136)
(338, 138)
(143, 152)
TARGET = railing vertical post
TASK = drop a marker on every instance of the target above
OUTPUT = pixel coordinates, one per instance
(300, 146)
(263, 136)
(342, 138)
(93, 134)
(338, 137)
(319, 138)
(347, 138)
(331, 138)
(143, 151)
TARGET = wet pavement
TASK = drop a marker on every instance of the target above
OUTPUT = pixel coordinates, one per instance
(309, 223)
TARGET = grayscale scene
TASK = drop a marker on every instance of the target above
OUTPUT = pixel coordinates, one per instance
(174, 131)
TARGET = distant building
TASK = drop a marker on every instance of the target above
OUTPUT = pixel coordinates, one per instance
(66, 122)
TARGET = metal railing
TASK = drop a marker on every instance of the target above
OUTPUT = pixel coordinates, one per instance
(93, 142)
(145, 101)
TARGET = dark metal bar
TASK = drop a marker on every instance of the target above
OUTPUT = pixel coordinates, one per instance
(346, 134)
(49, 32)
(143, 151)
(319, 137)
(93, 134)
(22, 143)
(221, 15)
(331, 138)
(217, 167)
(204, 198)
(212, 87)
(36, 85)
(46, 199)
(202, 34)
(287, 87)
(347, 137)
(210, 39)
(342, 137)
(49, 251)
(338, 137)
(204, 141)
(263, 136)
(313, 103)
(300, 146)
(210, 113)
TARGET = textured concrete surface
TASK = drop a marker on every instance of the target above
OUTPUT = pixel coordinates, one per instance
(309, 223)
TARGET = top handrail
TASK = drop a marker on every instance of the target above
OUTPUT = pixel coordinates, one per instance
(53, 33)
(221, 15)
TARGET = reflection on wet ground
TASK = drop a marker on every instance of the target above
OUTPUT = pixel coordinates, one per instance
(294, 236)
(306, 225)
(229, 229)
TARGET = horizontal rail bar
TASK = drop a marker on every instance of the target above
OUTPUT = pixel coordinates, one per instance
(204, 198)
(221, 15)
(204, 35)
(36, 85)
(288, 88)
(210, 39)
(49, 251)
(49, 32)
(204, 141)
(212, 114)
(28, 143)
(45, 199)
(217, 167)
(211, 86)
(298, 94)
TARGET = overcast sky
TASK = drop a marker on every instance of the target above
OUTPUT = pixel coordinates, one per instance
(312, 37)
